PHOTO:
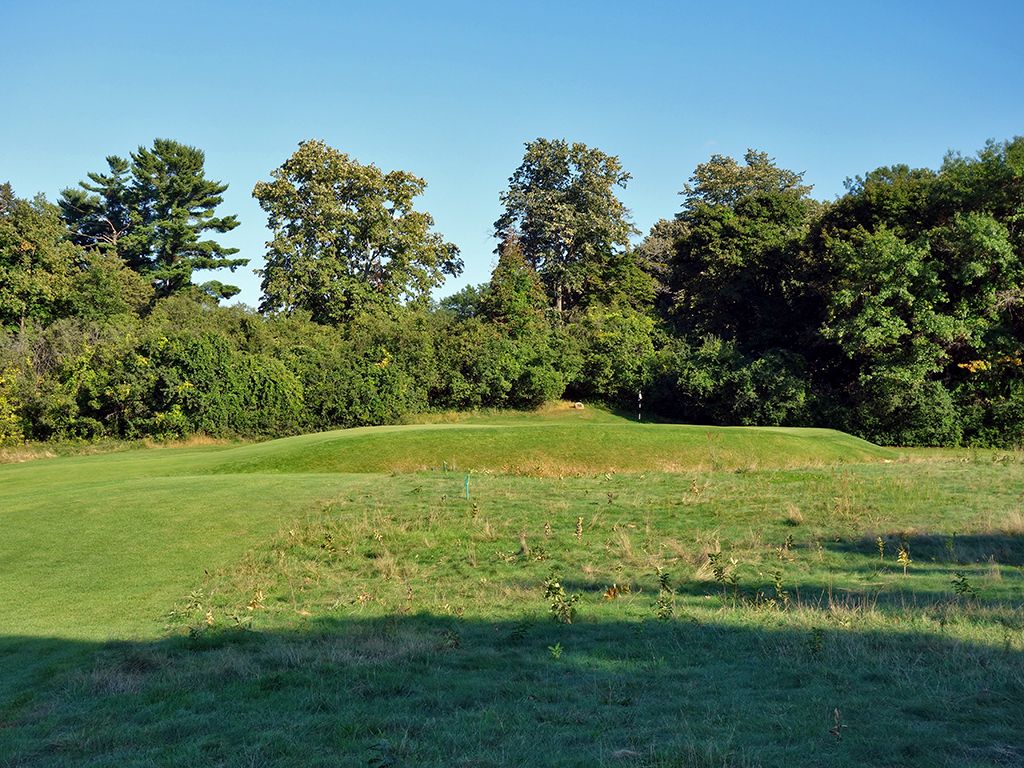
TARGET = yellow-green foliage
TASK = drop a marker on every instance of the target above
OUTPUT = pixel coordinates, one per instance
(10, 424)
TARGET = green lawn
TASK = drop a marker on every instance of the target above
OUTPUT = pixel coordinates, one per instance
(334, 599)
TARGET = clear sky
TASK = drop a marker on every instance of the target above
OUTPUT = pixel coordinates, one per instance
(451, 91)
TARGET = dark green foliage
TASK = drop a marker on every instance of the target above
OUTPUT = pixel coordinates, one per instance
(479, 366)
(895, 312)
(84, 379)
(656, 254)
(737, 267)
(106, 287)
(152, 211)
(712, 382)
(466, 303)
(891, 312)
(923, 272)
(616, 346)
(514, 300)
(895, 197)
(204, 383)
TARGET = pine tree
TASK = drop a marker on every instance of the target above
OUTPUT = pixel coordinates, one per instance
(152, 210)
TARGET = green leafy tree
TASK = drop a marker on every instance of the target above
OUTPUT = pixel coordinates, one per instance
(897, 197)
(922, 273)
(721, 181)
(616, 346)
(105, 286)
(711, 381)
(515, 298)
(38, 263)
(737, 267)
(656, 254)
(346, 237)
(465, 303)
(152, 211)
(573, 229)
(885, 313)
(99, 211)
(991, 181)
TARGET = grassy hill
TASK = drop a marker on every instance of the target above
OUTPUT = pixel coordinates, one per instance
(554, 443)
(335, 599)
(124, 532)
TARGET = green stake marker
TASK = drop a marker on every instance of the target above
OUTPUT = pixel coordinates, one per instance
(467, 487)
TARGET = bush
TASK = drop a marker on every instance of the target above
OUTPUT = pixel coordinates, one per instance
(892, 410)
(713, 382)
(616, 348)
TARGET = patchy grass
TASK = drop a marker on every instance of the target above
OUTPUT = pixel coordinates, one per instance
(198, 607)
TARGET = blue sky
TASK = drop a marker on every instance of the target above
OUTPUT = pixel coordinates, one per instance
(451, 91)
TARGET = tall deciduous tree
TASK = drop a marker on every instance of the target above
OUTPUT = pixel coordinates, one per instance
(735, 266)
(37, 261)
(723, 181)
(153, 210)
(573, 229)
(346, 237)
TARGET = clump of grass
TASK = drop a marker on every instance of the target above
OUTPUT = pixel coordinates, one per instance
(794, 517)
(1012, 524)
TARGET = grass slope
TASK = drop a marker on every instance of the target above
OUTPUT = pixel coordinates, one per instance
(563, 443)
(309, 602)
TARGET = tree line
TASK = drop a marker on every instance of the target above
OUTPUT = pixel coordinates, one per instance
(895, 312)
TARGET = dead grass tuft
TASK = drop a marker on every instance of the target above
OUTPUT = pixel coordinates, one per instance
(794, 516)
(192, 441)
(1012, 524)
(22, 453)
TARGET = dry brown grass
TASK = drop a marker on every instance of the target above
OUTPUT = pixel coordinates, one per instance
(793, 516)
(1012, 524)
(16, 454)
(20, 453)
(192, 441)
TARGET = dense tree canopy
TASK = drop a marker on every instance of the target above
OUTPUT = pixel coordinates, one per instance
(895, 311)
(721, 181)
(515, 297)
(38, 262)
(346, 237)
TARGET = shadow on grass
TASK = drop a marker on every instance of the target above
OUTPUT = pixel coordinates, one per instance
(985, 605)
(437, 690)
(963, 549)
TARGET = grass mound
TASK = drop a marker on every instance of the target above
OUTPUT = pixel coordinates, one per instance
(552, 448)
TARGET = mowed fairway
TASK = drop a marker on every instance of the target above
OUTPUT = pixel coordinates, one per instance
(737, 597)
